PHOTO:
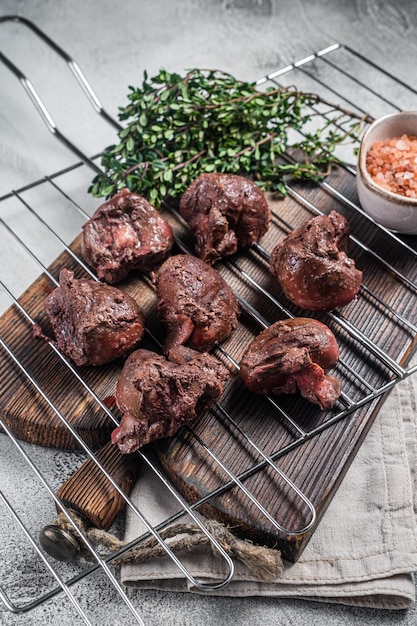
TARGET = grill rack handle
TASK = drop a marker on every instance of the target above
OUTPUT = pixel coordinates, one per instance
(36, 99)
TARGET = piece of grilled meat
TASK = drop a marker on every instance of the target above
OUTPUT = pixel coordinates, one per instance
(124, 234)
(224, 211)
(195, 302)
(93, 323)
(290, 356)
(312, 265)
(157, 395)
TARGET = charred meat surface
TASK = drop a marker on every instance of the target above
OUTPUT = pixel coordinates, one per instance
(124, 234)
(312, 265)
(291, 356)
(93, 323)
(195, 302)
(158, 395)
(224, 211)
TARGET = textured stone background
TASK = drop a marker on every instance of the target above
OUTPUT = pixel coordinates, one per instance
(114, 42)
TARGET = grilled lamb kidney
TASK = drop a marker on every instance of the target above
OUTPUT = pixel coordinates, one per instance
(124, 234)
(312, 265)
(157, 395)
(290, 356)
(195, 302)
(224, 211)
(93, 323)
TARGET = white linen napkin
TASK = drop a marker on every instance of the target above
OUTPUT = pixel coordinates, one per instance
(363, 552)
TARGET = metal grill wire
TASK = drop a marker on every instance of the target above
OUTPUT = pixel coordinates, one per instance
(313, 70)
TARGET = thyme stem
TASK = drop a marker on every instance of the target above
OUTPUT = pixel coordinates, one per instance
(178, 127)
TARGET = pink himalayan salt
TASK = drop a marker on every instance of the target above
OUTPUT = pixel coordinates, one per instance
(392, 164)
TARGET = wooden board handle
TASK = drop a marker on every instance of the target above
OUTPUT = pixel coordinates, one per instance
(90, 493)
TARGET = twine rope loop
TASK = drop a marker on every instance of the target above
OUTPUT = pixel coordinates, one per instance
(263, 563)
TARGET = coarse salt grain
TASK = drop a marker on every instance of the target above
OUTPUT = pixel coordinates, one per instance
(392, 164)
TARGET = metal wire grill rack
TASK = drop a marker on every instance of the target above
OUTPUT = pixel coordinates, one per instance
(371, 361)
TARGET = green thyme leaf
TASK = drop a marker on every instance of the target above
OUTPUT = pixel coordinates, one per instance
(207, 121)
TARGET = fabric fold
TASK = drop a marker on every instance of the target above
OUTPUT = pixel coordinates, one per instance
(363, 552)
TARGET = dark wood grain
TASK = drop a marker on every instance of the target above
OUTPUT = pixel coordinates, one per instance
(91, 494)
(315, 464)
(26, 413)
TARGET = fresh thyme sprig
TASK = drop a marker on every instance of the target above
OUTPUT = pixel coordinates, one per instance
(208, 121)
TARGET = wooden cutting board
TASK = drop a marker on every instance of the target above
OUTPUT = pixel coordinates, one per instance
(315, 464)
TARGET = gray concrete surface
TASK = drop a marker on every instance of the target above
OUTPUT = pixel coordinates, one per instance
(114, 42)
